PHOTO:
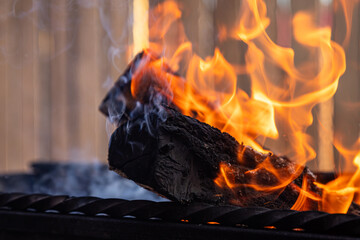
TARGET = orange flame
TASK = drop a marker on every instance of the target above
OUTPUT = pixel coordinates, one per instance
(276, 110)
(338, 194)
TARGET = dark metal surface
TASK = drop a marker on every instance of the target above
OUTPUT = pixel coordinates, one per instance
(38, 208)
(45, 226)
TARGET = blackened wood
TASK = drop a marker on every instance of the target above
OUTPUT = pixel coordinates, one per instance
(119, 104)
(179, 158)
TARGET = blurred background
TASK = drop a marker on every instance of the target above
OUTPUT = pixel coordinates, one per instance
(58, 58)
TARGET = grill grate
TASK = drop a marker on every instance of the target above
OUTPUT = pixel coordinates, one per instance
(230, 217)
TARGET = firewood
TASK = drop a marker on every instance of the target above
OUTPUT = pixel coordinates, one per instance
(180, 157)
(119, 104)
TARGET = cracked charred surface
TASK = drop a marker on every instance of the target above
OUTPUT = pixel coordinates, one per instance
(179, 158)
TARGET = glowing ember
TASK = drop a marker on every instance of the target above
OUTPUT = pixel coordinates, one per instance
(276, 109)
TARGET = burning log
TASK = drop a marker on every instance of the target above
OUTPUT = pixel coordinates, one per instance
(184, 159)
(180, 158)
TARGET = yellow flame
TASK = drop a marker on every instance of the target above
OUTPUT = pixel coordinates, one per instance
(276, 109)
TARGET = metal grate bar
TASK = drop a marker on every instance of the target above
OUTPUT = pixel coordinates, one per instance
(197, 213)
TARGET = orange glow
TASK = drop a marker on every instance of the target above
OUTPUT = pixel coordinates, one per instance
(224, 177)
(302, 203)
(276, 110)
(270, 227)
(213, 223)
(339, 193)
(162, 17)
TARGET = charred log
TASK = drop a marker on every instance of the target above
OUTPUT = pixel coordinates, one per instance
(180, 157)
(120, 105)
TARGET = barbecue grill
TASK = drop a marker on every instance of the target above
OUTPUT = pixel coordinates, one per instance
(41, 216)
(52, 78)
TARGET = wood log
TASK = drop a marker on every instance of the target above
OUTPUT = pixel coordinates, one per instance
(179, 157)
(119, 104)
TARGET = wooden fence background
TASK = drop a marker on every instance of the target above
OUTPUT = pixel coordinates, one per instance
(59, 57)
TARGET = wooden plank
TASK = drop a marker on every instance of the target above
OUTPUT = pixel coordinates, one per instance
(87, 66)
(227, 15)
(114, 53)
(29, 59)
(87, 70)
(347, 98)
(207, 28)
(190, 18)
(271, 30)
(325, 158)
(42, 85)
(18, 65)
(49, 103)
(3, 83)
(14, 89)
(117, 14)
(62, 87)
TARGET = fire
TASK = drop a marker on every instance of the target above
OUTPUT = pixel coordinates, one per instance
(275, 110)
(339, 193)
